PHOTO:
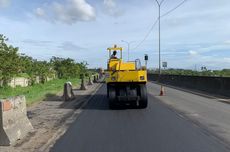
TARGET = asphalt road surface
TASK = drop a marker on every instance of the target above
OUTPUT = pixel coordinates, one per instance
(155, 129)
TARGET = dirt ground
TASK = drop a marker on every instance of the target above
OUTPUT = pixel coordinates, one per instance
(50, 119)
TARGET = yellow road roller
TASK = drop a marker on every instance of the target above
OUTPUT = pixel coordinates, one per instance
(126, 81)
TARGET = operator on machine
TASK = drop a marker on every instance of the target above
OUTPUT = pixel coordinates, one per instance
(113, 56)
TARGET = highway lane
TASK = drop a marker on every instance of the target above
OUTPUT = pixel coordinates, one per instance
(157, 128)
(204, 110)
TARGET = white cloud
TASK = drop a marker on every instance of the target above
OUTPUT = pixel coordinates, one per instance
(40, 12)
(227, 42)
(69, 12)
(4, 3)
(213, 61)
(210, 48)
(112, 9)
(110, 3)
(227, 59)
(193, 53)
(70, 46)
(39, 43)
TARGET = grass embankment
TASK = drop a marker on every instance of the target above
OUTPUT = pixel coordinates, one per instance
(37, 92)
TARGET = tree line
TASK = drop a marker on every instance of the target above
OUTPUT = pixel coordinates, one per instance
(13, 64)
(202, 72)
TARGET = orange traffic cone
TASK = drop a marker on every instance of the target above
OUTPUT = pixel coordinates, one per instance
(162, 92)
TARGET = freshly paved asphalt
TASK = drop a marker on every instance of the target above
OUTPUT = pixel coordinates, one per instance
(155, 129)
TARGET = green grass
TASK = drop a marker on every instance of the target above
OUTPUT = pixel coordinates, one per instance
(37, 92)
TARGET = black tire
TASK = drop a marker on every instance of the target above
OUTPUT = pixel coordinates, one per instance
(143, 102)
(112, 97)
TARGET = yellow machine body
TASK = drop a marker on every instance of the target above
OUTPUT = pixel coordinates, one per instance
(126, 81)
(119, 71)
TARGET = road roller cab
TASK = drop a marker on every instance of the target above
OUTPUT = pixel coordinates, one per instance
(126, 81)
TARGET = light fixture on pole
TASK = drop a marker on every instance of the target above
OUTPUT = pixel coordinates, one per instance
(128, 43)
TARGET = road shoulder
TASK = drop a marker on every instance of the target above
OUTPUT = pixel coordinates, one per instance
(50, 119)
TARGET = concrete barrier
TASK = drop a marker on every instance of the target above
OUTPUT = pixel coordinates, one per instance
(14, 124)
(95, 79)
(98, 77)
(83, 86)
(68, 91)
(212, 85)
(90, 81)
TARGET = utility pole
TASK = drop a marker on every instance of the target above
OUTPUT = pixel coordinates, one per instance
(128, 43)
(159, 18)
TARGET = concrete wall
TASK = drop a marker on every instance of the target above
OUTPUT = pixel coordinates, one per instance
(50, 78)
(19, 81)
(213, 85)
(24, 82)
(37, 80)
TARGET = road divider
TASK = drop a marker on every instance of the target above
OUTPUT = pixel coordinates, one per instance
(83, 86)
(14, 123)
(68, 92)
(94, 78)
(90, 81)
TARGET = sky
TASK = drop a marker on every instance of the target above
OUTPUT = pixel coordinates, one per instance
(195, 34)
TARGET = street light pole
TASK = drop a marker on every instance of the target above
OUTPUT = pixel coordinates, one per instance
(128, 50)
(159, 18)
(128, 43)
